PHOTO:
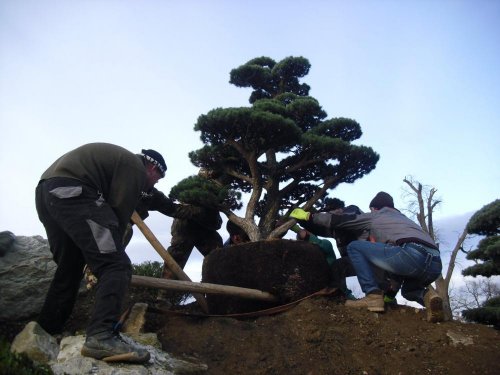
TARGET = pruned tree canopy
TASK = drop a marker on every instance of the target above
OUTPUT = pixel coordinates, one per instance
(269, 79)
(282, 151)
(486, 222)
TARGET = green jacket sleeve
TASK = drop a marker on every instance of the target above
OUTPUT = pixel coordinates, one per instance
(325, 246)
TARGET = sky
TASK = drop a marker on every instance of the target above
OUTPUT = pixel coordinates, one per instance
(421, 77)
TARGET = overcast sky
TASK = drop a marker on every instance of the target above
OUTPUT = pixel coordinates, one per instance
(421, 77)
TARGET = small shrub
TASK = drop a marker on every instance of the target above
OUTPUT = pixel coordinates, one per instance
(148, 268)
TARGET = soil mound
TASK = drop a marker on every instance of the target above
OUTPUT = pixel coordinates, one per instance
(321, 336)
(317, 336)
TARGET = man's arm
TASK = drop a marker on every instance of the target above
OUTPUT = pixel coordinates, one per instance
(157, 201)
(322, 221)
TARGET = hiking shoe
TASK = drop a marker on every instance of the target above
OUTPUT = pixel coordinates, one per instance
(433, 306)
(112, 347)
(372, 302)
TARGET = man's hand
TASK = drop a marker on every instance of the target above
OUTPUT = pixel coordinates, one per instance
(300, 214)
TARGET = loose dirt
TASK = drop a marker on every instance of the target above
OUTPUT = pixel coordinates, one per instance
(321, 336)
(317, 336)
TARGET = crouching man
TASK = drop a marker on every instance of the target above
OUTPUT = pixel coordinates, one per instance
(396, 244)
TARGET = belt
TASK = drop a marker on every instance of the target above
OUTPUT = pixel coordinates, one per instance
(420, 248)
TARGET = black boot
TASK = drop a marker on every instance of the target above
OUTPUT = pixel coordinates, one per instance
(112, 347)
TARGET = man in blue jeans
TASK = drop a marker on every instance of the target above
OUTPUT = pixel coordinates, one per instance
(393, 243)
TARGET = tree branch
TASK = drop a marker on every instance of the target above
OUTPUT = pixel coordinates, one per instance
(453, 257)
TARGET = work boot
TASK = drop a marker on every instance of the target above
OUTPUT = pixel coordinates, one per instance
(433, 306)
(372, 302)
(112, 347)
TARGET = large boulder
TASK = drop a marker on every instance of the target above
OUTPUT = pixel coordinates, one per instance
(26, 271)
(286, 268)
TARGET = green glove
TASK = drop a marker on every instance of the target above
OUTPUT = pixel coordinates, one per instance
(300, 214)
(296, 228)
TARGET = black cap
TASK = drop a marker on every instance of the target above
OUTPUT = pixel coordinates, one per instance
(332, 204)
(155, 157)
(382, 199)
(352, 209)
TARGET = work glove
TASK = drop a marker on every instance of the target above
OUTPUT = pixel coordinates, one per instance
(300, 214)
(296, 228)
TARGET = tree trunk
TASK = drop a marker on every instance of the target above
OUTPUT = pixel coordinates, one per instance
(442, 290)
(442, 283)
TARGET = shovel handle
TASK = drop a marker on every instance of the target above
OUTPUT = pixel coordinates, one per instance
(169, 261)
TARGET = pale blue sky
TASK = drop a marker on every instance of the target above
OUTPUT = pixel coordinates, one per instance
(421, 77)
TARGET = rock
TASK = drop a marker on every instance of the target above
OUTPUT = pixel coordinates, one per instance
(71, 362)
(136, 319)
(459, 338)
(26, 271)
(66, 359)
(37, 344)
(6, 240)
(148, 339)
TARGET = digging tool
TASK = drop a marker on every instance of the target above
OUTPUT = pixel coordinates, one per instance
(169, 261)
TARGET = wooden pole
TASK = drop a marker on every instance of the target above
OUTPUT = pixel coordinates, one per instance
(170, 262)
(189, 286)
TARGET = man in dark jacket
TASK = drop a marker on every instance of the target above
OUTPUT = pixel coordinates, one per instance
(85, 200)
(193, 226)
(397, 245)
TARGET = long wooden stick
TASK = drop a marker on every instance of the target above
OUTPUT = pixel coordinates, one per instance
(189, 286)
(170, 262)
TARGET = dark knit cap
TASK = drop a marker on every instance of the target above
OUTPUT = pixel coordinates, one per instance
(155, 157)
(332, 204)
(382, 199)
(352, 209)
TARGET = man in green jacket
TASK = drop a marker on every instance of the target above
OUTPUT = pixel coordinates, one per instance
(85, 200)
(193, 226)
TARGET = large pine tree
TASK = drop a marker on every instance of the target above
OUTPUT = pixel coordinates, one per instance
(280, 152)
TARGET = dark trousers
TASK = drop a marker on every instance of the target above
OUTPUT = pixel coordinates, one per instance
(81, 229)
(186, 234)
(342, 268)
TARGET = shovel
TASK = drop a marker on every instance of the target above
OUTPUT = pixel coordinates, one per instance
(169, 261)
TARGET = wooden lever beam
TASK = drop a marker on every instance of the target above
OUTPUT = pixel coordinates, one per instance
(169, 261)
(189, 286)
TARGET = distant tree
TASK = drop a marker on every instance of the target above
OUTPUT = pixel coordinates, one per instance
(485, 222)
(473, 294)
(281, 151)
(422, 205)
(488, 313)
